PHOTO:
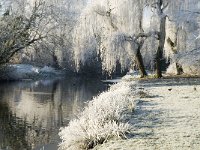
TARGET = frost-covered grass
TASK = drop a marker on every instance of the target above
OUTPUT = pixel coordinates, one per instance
(102, 119)
(167, 118)
(135, 75)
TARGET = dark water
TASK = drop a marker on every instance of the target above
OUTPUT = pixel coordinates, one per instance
(31, 113)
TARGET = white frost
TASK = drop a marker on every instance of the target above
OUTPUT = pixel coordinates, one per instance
(190, 62)
(25, 71)
(102, 119)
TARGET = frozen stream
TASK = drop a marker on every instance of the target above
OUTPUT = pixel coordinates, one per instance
(31, 113)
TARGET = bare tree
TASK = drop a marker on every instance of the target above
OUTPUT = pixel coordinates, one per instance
(19, 31)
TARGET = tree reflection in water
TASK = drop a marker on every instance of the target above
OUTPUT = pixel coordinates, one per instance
(31, 113)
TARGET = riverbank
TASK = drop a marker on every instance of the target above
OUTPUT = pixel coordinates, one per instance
(104, 118)
(34, 111)
(16, 72)
(165, 116)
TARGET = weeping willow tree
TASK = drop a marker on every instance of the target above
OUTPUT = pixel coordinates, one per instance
(117, 31)
(114, 29)
(177, 23)
(106, 29)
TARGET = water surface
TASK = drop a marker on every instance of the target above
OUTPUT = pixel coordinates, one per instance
(31, 113)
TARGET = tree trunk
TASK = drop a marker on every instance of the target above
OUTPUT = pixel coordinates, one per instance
(158, 62)
(55, 61)
(173, 45)
(139, 61)
(159, 53)
(136, 47)
(179, 69)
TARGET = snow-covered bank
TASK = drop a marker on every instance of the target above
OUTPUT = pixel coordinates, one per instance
(104, 118)
(168, 117)
(25, 71)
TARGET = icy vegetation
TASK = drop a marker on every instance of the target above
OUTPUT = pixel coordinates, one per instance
(104, 31)
(104, 117)
(25, 71)
(77, 33)
(190, 61)
(184, 31)
(104, 26)
(166, 119)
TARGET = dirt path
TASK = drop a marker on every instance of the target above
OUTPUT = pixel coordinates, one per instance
(168, 119)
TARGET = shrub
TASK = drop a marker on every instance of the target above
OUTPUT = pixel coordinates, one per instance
(103, 118)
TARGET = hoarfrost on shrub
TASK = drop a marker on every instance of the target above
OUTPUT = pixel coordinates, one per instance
(102, 119)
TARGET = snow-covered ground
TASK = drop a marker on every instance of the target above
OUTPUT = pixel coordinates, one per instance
(166, 116)
(25, 71)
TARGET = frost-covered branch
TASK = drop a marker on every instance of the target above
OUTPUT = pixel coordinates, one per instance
(146, 35)
(165, 6)
(18, 31)
(106, 13)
